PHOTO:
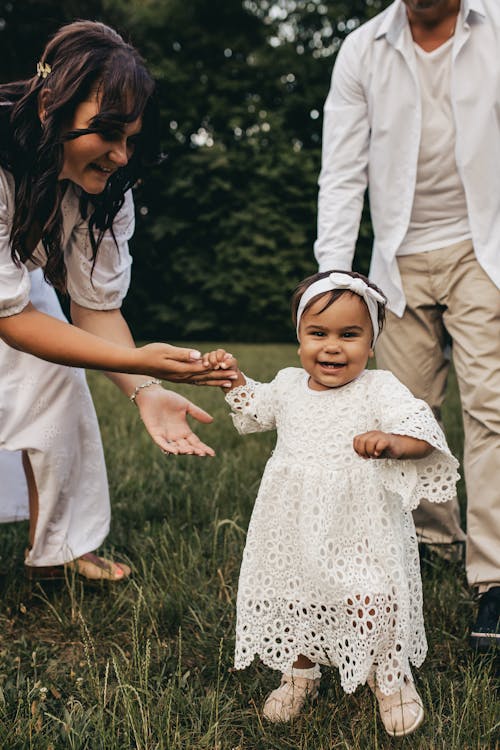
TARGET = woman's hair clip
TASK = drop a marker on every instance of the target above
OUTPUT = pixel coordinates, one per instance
(43, 69)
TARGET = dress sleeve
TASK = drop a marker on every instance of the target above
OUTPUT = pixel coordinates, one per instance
(252, 406)
(433, 477)
(105, 286)
(14, 280)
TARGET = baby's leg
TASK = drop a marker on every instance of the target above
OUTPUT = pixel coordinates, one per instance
(298, 683)
(402, 709)
(302, 662)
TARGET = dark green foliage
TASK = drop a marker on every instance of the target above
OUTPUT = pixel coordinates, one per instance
(226, 224)
(25, 26)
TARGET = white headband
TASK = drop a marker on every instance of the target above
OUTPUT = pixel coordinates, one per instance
(340, 280)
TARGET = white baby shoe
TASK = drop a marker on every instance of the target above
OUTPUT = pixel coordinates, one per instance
(402, 712)
(287, 701)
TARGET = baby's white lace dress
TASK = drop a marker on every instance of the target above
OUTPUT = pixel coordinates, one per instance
(330, 568)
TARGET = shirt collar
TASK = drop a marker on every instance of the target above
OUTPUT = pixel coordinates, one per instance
(472, 6)
(396, 18)
(394, 22)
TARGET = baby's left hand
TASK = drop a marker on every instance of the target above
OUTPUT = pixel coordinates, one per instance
(219, 359)
(377, 444)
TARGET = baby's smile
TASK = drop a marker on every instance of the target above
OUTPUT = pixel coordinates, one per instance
(332, 365)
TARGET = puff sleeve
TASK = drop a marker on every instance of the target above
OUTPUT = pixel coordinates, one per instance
(14, 280)
(104, 287)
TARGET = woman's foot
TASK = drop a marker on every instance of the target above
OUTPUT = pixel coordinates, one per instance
(287, 701)
(89, 566)
(96, 568)
(402, 712)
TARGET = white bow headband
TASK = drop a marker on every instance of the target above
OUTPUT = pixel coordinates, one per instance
(339, 280)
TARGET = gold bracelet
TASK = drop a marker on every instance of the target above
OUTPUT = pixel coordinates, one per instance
(146, 384)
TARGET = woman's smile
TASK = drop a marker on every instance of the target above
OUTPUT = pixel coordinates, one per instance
(104, 170)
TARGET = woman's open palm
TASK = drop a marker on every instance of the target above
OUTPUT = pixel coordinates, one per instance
(164, 414)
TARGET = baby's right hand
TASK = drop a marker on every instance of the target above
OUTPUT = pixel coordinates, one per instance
(219, 359)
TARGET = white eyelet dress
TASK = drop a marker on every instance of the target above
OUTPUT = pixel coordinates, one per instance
(46, 409)
(330, 568)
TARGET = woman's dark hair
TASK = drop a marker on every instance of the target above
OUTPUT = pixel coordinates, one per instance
(84, 57)
(331, 296)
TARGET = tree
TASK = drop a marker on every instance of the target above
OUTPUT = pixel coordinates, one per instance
(25, 27)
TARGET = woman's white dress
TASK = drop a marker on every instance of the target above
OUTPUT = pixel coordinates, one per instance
(46, 409)
(330, 568)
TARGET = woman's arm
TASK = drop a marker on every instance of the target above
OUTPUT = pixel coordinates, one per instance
(112, 326)
(112, 350)
(163, 412)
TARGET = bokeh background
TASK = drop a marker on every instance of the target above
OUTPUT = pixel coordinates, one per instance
(226, 224)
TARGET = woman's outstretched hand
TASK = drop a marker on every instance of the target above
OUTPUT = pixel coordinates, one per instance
(164, 414)
(181, 365)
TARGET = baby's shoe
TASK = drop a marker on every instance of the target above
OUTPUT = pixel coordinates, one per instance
(402, 712)
(287, 701)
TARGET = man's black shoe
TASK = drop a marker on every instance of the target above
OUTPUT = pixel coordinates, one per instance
(485, 635)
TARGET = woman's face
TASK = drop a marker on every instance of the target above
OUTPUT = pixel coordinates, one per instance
(90, 160)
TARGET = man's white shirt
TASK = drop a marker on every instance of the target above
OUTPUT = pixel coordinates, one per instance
(439, 216)
(372, 135)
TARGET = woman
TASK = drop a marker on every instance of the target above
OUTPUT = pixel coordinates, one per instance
(73, 141)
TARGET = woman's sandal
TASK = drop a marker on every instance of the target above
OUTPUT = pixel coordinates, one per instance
(90, 566)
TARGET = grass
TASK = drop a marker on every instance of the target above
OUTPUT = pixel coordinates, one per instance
(147, 665)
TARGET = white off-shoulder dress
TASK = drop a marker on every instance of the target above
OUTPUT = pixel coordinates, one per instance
(46, 409)
(331, 568)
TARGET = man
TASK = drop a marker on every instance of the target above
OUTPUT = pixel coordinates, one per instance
(413, 114)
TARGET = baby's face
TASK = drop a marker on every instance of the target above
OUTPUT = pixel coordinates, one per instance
(335, 344)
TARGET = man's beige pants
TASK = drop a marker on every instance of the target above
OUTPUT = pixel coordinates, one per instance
(449, 295)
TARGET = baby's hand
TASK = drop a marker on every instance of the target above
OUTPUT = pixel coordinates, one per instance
(219, 359)
(377, 444)
(222, 360)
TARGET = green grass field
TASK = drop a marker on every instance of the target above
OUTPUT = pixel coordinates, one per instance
(147, 664)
